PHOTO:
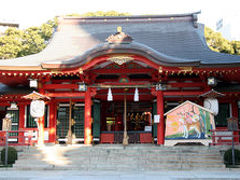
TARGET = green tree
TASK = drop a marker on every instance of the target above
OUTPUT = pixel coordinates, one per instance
(16, 43)
(11, 43)
(32, 41)
(100, 13)
(217, 43)
(236, 47)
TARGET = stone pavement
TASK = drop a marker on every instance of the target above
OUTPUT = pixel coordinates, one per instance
(8, 174)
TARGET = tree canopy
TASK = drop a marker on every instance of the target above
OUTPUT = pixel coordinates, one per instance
(217, 43)
(100, 13)
(16, 43)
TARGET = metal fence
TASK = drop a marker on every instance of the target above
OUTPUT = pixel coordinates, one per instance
(14, 138)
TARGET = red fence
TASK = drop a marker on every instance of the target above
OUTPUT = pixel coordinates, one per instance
(16, 138)
(224, 137)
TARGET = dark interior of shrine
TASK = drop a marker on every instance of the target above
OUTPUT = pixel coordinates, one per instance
(138, 115)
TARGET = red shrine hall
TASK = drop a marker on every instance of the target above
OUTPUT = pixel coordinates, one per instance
(108, 77)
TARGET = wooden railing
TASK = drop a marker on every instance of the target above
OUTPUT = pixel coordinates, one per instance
(134, 137)
(224, 137)
(16, 138)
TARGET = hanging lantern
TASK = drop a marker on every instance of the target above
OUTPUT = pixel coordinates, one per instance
(212, 81)
(109, 96)
(37, 108)
(160, 87)
(33, 83)
(82, 87)
(211, 101)
(136, 95)
(211, 104)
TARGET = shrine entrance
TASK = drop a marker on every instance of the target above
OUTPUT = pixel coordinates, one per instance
(138, 121)
(70, 123)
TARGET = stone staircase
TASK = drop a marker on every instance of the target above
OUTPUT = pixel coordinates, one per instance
(117, 158)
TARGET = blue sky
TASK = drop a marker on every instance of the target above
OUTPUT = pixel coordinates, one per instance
(34, 12)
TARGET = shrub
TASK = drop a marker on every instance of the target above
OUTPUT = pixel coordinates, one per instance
(228, 156)
(12, 155)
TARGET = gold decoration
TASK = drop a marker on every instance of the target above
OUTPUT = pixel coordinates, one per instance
(119, 37)
(160, 70)
(119, 29)
(80, 71)
(120, 59)
(58, 122)
(55, 71)
(185, 69)
(73, 122)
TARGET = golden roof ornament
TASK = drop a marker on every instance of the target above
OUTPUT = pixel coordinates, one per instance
(119, 29)
(119, 37)
(120, 59)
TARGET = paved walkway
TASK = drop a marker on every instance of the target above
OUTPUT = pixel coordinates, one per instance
(104, 175)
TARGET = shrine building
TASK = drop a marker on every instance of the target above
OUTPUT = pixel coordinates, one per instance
(100, 72)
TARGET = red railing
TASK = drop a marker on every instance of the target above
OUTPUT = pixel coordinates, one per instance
(16, 138)
(224, 137)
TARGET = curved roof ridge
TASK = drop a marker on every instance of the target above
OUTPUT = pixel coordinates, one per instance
(133, 47)
(133, 16)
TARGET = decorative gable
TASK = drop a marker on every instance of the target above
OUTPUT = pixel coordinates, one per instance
(119, 37)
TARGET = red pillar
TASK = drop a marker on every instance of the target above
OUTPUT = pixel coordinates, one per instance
(87, 119)
(52, 121)
(160, 111)
(21, 116)
(41, 127)
(235, 114)
(41, 131)
(21, 122)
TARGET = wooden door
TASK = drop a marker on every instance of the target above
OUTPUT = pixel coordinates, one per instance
(76, 121)
(15, 124)
(62, 121)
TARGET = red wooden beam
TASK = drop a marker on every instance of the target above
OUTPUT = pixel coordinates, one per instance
(129, 97)
(124, 84)
(93, 62)
(146, 61)
(117, 80)
(124, 70)
(183, 93)
(67, 100)
(121, 90)
(190, 84)
(60, 86)
(66, 94)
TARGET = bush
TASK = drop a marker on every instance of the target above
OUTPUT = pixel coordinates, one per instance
(228, 157)
(12, 155)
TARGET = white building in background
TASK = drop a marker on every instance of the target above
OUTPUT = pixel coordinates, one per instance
(229, 27)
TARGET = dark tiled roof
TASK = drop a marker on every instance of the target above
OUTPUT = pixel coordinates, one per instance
(8, 90)
(171, 40)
